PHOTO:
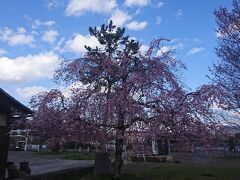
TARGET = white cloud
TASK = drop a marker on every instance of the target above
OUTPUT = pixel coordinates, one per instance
(27, 68)
(76, 44)
(59, 44)
(179, 45)
(67, 90)
(37, 22)
(28, 92)
(198, 40)
(138, 11)
(144, 48)
(21, 30)
(220, 34)
(2, 52)
(195, 50)
(79, 7)
(53, 4)
(160, 4)
(27, 17)
(179, 13)
(119, 17)
(158, 20)
(134, 25)
(165, 49)
(136, 2)
(19, 37)
(50, 36)
(233, 27)
(133, 38)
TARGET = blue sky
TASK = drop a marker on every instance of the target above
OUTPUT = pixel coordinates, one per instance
(34, 35)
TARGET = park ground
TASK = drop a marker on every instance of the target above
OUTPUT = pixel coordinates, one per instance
(217, 168)
(211, 169)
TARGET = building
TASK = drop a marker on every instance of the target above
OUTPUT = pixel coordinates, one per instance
(18, 139)
(10, 109)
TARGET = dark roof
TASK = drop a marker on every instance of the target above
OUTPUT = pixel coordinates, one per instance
(7, 101)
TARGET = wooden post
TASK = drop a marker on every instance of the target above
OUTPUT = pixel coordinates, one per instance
(2, 158)
(169, 146)
(103, 164)
(4, 142)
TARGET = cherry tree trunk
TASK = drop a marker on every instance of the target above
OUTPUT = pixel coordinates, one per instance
(119, 146)
(118, 155)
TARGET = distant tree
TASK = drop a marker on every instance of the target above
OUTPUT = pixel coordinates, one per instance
(48, 119)
(227, 70)
(55, 122)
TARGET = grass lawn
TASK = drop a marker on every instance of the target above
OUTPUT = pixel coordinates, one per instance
(53, 153)
(68, 155)
(173, 171)
(223, 168)
(190, 171)
(77, 156)
(231, 157)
